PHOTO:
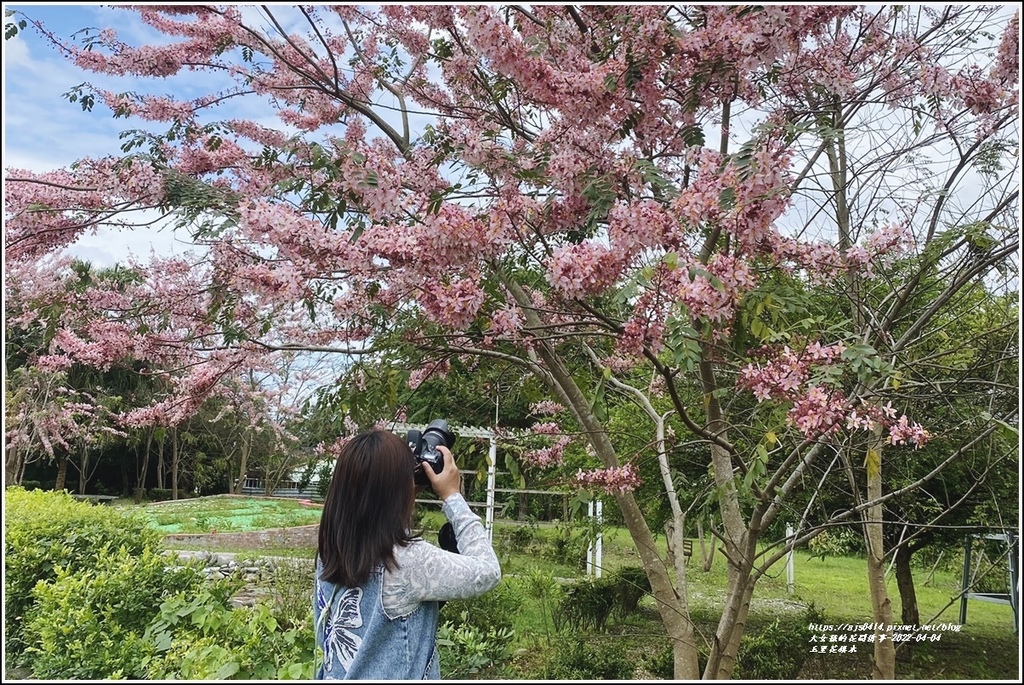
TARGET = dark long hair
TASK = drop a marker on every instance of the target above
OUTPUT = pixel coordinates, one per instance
(368, 510)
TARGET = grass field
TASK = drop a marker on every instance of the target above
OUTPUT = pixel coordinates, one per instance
(986, 648)
(226, 514)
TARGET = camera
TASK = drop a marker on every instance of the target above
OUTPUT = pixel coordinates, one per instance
(424, 447)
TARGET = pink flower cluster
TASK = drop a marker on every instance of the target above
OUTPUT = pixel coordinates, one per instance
(436, 370)
(785, 371)
(617, 479)
(817, 410)
(583, 269)
(546, 408)
(547, 457)
(331, 450)
(706, 300)
(507, 322)
(902, 432)
(454, 304)
(546, 428)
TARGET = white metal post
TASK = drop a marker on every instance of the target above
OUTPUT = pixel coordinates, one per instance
(600, 537)
(590, 545)
(790, 585)
(492, 460)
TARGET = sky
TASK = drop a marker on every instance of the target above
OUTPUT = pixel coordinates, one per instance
(43, 131)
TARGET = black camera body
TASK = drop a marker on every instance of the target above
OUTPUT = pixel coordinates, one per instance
(424, 448)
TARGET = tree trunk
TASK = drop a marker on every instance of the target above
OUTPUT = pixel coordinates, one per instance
(83, 477)
(739, 541)
(174, 463)
(671, 604)
(141, 471)
(733, 623)
(909, 612)
(884, 666)
(62, 473)
(14, 466)
(707, 556)
(160, 464)
(243, 463)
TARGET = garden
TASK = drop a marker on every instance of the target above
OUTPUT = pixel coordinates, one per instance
(740, 280)
(87, 596)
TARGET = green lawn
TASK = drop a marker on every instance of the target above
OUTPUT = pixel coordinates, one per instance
(226, 514)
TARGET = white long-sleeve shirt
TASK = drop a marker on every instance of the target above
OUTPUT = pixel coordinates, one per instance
(426, 572)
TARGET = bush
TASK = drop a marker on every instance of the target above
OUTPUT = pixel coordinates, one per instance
(839, 542)
(662, 664)
(631, 584)
(777, 651)
(45, 531)
(465, 649)
(587, 604)
(159, 494)
(578, 660)
(568, 546)
(291, 585)
(494, 609)
(89, 623)
(201, 637)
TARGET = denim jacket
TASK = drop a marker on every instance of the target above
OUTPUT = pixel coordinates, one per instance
(360, 641)
(386, 629)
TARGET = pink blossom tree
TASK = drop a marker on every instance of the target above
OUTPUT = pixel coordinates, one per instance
(582, 192)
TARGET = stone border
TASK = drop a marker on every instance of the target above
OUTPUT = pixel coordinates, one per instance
(299, 536)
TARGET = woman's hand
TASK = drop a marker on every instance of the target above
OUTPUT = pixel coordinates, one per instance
(449, 481)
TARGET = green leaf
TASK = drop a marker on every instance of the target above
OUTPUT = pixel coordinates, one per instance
(226, 670)
(727, 199)
(873, 462)
(597, 405)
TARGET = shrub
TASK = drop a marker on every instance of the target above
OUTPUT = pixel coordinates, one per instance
(517, 537)
(159, 494)
(836, 543)
(777, 651)
(578, 660)
(568, 546)
(291, 586)
(89, 623)
(662, 664)
(201, 637)
(494, 609)
(586, 604)
(465, 649)
(631, 584)
(45, 531)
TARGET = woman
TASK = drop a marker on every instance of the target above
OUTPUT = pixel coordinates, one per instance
(378, 587)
